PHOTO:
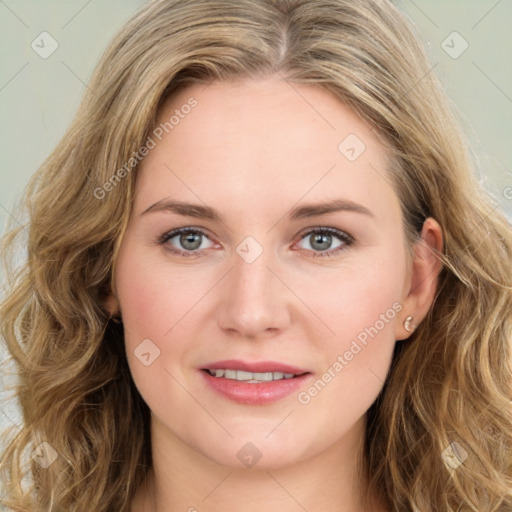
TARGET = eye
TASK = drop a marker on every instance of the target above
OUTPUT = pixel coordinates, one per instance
(189, 241)
(321, 240)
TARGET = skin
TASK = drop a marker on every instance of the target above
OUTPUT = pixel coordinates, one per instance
(253, 150)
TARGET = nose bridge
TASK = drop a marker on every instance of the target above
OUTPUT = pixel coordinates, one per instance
(254, 300)
(252, 279)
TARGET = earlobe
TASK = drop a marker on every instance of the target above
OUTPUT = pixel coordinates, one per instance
(425, 270)
(112, 305)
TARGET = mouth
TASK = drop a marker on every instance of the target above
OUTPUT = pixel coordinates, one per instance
(255, 383)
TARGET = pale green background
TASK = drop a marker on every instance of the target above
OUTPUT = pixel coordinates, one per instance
(38, 97)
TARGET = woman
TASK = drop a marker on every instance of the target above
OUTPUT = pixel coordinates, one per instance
(261, 275)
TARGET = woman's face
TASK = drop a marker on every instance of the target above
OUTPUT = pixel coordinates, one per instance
(256, 167)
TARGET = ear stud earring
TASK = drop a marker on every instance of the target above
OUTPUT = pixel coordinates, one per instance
(408, 325)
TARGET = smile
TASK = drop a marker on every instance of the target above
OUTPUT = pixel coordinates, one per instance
(254, 383)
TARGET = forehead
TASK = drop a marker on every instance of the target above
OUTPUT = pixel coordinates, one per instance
(268, 137)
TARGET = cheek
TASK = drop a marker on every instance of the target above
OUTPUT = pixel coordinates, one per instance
(155, 305)
(144, 313)
(364, 295)
(159, 302)
(153, 299)
(361, 307)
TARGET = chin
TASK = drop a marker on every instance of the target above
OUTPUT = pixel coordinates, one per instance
(257, 452)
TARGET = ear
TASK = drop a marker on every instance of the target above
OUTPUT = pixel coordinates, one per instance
(421, 286)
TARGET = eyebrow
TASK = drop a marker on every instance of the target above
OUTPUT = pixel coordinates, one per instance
(302, 212)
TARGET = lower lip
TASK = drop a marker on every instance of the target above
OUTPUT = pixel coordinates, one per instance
(254, 394)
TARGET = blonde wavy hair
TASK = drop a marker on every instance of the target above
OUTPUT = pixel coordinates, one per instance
(449, 383)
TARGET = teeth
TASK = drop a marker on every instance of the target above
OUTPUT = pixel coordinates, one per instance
(230, 374)
(249, 376)
(241, 375)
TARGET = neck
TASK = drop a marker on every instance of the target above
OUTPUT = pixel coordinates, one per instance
(183, 479)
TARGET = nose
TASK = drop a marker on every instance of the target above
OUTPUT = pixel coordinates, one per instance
(254, 302)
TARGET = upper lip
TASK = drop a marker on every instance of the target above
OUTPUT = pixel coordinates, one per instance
(255, 367)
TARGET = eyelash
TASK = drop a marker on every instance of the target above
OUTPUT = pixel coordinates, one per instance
(341, 235)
